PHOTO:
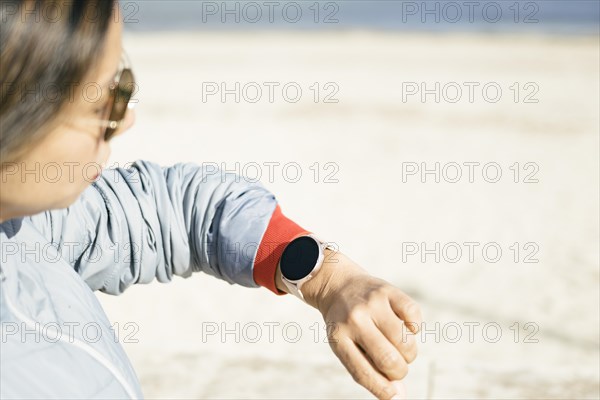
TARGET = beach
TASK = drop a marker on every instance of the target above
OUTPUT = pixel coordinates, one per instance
(462, 168)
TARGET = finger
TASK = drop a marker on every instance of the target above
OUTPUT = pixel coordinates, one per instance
(362, 371)
(385, 356)
(398, 334)
(406, 309)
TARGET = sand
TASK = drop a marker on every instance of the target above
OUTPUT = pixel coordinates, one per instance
(373, 212)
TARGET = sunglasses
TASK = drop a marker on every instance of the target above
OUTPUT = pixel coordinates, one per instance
(119, 100)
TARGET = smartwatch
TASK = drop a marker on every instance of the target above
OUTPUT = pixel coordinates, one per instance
(301, 260)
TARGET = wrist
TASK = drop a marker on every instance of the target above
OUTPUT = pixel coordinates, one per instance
(312, 288)
(300, 262)
(332, 275)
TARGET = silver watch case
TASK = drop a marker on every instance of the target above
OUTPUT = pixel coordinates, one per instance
(295, 286)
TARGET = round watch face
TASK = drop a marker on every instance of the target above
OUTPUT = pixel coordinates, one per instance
(299, 258)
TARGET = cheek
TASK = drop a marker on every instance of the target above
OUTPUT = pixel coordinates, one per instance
(65, 165)
(78, 149)
(35, 185)
(81, 165)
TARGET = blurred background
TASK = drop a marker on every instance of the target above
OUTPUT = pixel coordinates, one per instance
(449, 147)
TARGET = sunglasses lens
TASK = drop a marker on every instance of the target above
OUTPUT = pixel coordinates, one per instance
(122, 96)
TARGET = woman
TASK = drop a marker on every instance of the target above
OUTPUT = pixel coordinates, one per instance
(65, 232)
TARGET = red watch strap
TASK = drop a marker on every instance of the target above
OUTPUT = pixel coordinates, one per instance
(280, 231)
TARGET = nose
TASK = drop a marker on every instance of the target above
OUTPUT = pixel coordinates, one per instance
(127, 122)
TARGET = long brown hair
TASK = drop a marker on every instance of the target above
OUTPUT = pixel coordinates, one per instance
(46, 48)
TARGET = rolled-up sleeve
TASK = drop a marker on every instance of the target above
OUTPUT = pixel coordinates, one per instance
(147, 221)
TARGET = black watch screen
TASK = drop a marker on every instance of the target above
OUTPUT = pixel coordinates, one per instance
(299, 258)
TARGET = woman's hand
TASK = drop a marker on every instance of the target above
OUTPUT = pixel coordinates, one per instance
(369, 319)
